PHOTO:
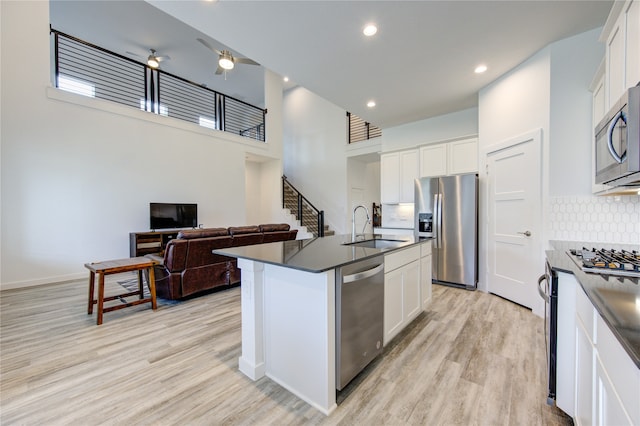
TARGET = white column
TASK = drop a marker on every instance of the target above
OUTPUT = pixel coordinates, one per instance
(251, 362)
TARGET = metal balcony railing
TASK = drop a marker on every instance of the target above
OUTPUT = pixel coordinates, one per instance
(305, 212)
(89, 70)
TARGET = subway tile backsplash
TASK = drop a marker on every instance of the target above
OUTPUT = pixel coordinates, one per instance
(610, 219)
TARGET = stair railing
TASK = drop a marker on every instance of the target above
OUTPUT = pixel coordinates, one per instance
(299, 211)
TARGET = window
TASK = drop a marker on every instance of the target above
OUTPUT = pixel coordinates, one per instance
(207, 122)
(76, 86)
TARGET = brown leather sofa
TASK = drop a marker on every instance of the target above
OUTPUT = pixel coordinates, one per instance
(188, 265)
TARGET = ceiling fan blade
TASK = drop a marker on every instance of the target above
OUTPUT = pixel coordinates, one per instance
(206, 44)
(163, 58)
(220, 70)
(245, 61)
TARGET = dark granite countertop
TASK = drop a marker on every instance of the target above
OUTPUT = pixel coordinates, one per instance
(617, 299)
(316, 254)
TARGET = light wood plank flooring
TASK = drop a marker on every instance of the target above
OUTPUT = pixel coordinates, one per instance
(473, 358)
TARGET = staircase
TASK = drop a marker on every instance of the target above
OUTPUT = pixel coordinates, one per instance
(305, 212)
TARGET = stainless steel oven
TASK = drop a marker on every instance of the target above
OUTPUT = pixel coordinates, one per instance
(548, 289)
(617, 142)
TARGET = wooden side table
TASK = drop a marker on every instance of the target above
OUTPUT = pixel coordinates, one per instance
(117, 266)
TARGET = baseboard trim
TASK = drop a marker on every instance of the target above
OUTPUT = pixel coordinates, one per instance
(41, 281)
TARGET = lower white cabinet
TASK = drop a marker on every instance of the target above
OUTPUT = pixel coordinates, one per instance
(402, 290)
(566, 343)
(609, 409)
(607, 382)
(425, 274)
(585, 358)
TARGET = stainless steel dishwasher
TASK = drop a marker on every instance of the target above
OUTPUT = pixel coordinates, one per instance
(359, 317)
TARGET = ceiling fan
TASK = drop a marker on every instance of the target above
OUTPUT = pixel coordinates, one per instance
(226, 61)
(153, 60)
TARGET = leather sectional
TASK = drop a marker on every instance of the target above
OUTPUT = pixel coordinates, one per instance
(189, 267)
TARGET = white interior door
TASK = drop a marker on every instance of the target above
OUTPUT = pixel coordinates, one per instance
(514, 218)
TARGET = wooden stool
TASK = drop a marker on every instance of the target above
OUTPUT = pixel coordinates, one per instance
(115, 267)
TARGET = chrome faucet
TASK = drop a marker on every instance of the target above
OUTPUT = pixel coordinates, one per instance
(353, 222)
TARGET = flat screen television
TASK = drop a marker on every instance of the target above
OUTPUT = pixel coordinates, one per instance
(172, 215)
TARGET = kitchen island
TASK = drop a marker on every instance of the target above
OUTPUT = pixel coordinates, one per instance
(288, 304)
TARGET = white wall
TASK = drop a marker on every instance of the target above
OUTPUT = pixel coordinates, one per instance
(574, 62)
(514, 104)
(315, 138)
(363, 177)
(432, 130)
(78, 174)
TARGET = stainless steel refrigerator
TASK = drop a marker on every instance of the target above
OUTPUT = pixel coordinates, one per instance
(446, 209)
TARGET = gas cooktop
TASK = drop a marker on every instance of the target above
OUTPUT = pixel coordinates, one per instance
(607, 261)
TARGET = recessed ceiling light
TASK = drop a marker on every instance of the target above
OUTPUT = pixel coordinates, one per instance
(480, 69)
(286, 79)
(370, 30)
(371, 104)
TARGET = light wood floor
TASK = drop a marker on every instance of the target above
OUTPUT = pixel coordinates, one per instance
(473, 358)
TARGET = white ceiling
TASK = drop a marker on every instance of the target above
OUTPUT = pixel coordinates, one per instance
(419, 65)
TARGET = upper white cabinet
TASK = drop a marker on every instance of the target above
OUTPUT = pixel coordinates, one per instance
(398, 171)
(615, 71)
(450, 158)
(598, 92)
(622, 38)
(632, 51)
(433, 160)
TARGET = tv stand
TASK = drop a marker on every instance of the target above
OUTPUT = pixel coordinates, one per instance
(141, 243)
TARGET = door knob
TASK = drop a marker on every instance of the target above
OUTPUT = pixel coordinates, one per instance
(525, 233)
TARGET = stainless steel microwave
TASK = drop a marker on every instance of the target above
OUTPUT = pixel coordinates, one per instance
(617, 143)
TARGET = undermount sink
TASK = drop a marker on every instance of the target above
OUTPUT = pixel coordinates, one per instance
(377, 243)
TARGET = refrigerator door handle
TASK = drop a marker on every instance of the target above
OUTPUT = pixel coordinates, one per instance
(435, 219)
(439, 221)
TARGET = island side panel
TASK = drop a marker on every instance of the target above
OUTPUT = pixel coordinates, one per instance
(251, 362)
(299, 329)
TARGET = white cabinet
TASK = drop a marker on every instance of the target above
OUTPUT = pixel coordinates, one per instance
(433, 160)
(462, 157)
(390, 178)
(632, 51)
(398, 171)
(609, 409)
(402, 289)
(585, 359)
(615, 70)
(450, 158)
(425, 274)
(622, 38)
(607, 382)
(598, 94)
(617, 380)
(566, 342)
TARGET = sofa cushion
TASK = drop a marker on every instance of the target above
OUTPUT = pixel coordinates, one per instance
(239, 230)
(270, 237)
(200, 250)
(189, 234)
(273, 227)
(175, 255)
(206, 277)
